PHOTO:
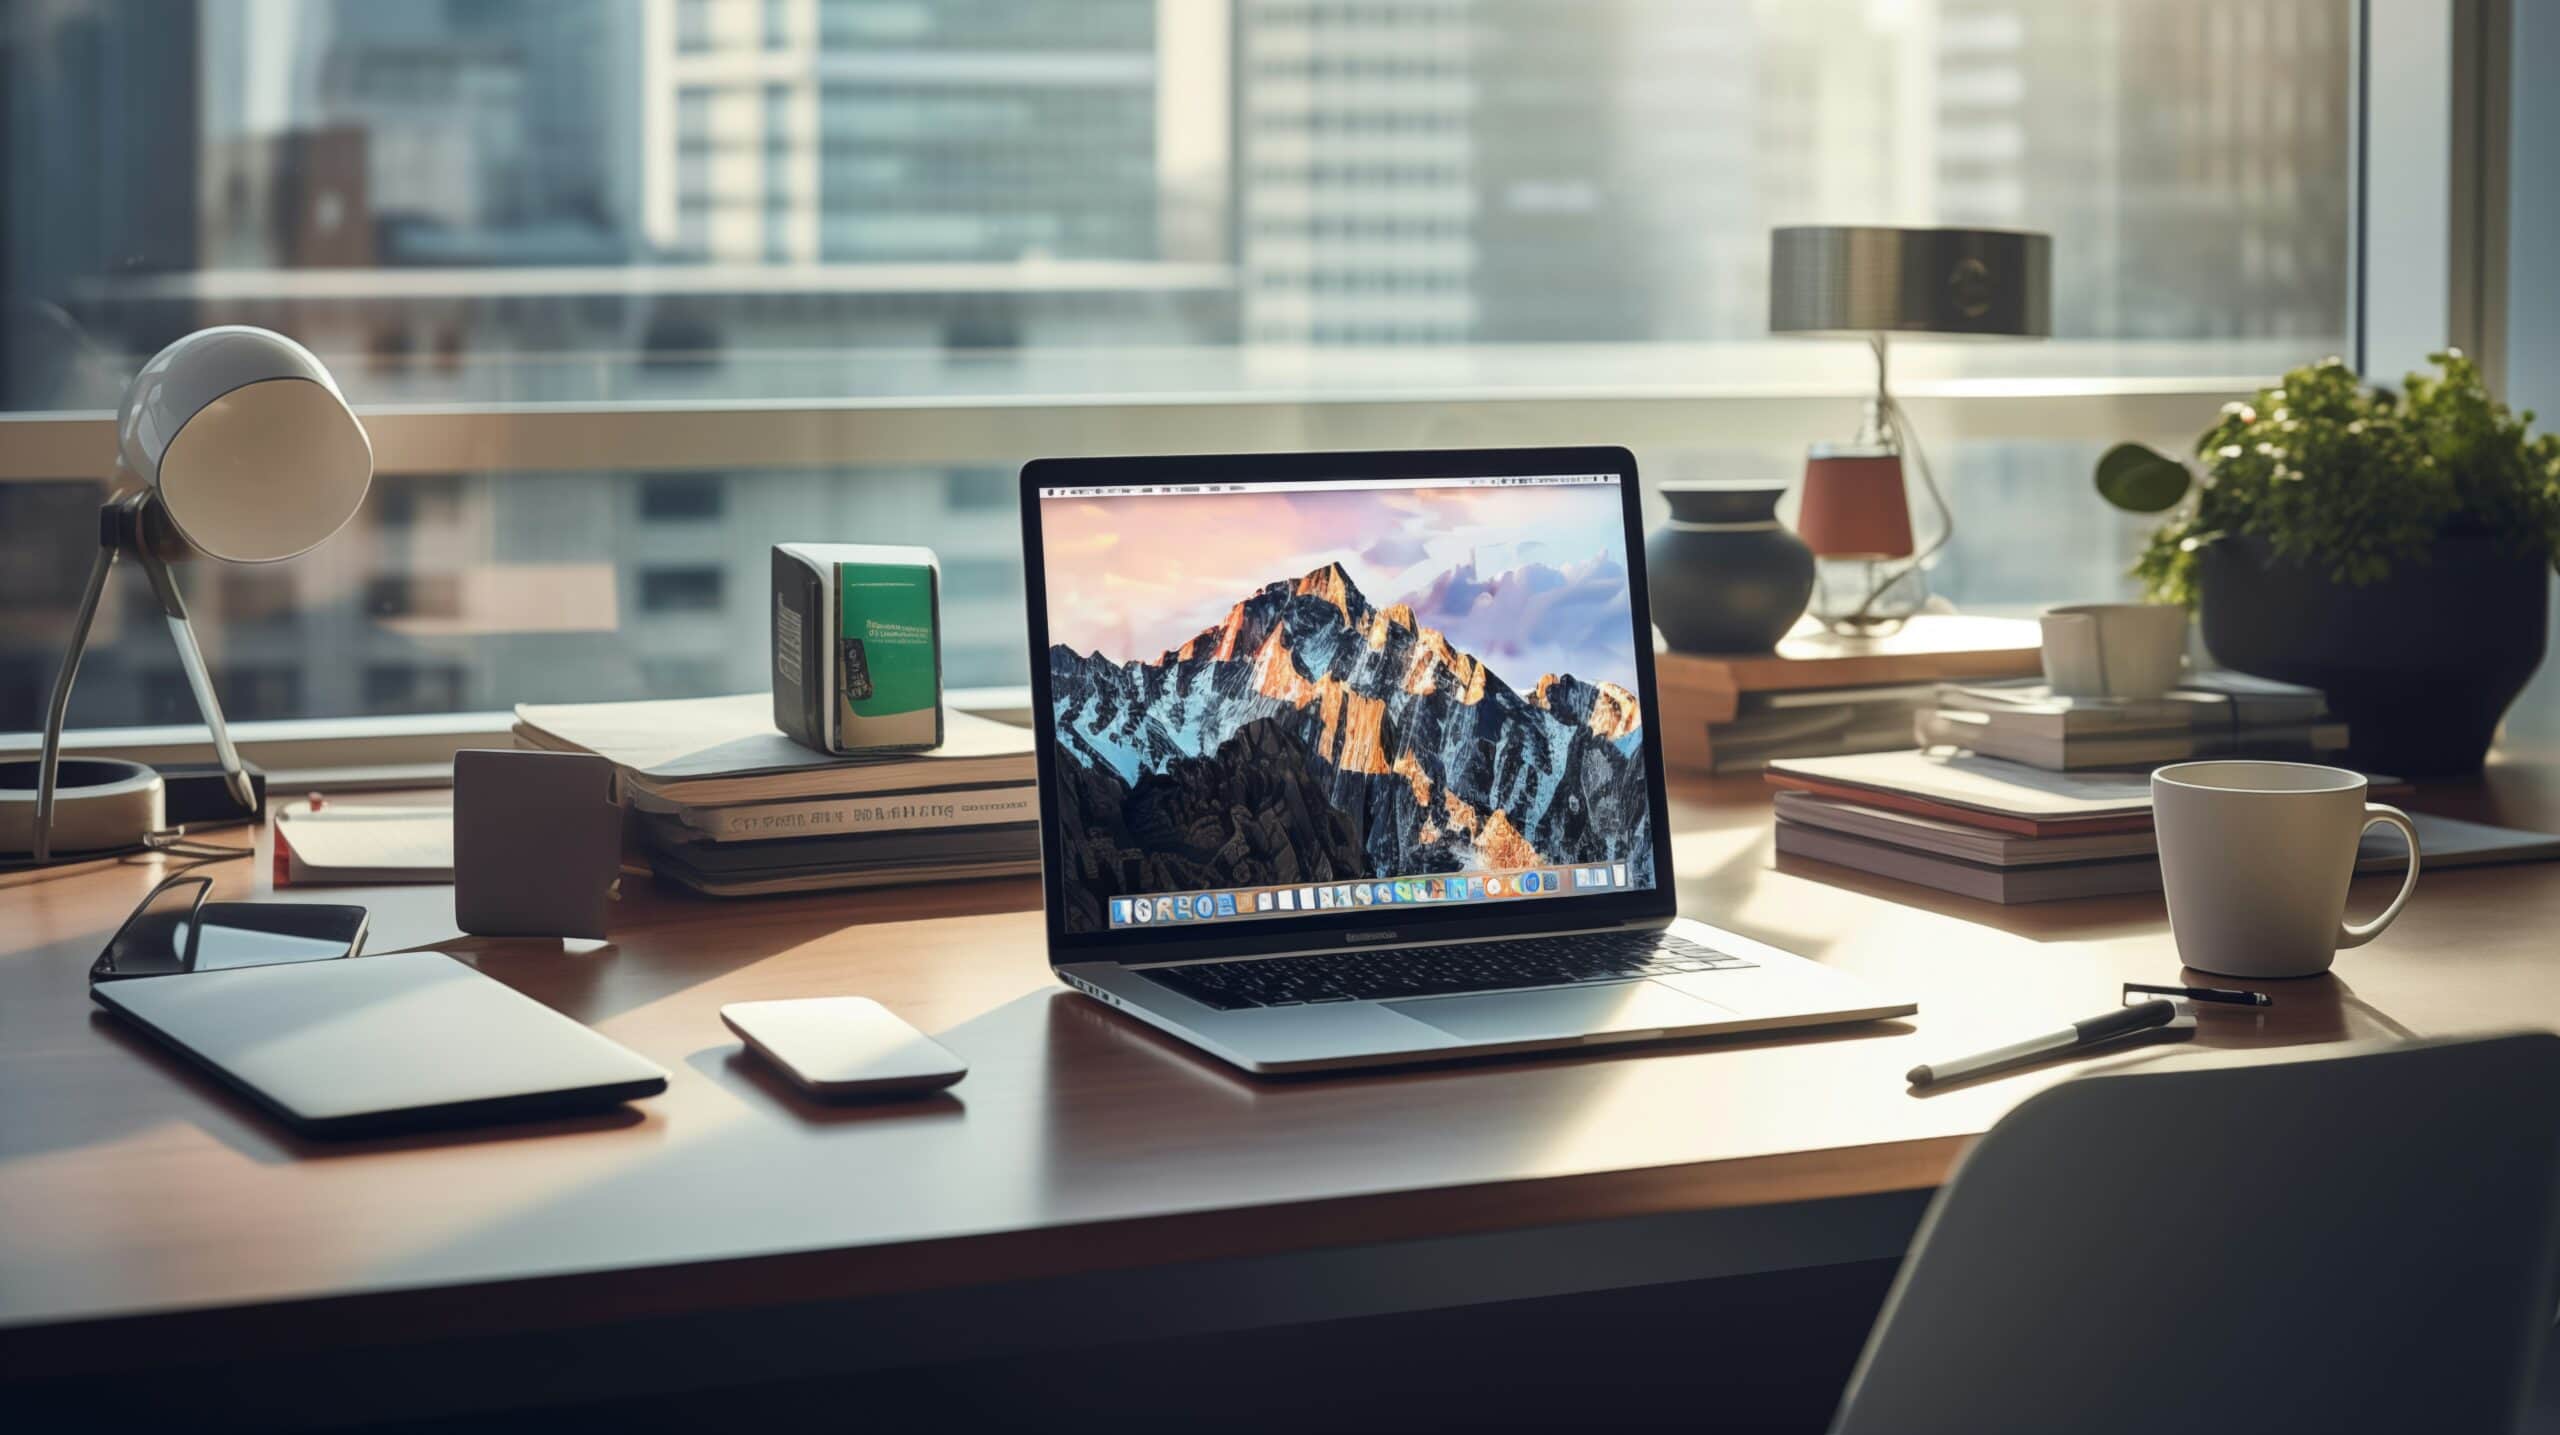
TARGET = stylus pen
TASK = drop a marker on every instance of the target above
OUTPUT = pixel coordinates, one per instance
(2123, 1021)
(2226, 996)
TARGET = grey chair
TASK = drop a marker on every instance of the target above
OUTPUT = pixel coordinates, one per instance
(2338, 1243)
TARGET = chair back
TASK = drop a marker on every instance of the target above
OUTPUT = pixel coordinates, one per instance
(2332, 1243)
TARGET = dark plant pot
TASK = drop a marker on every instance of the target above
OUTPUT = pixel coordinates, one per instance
(2420, 666)
(1725, 575)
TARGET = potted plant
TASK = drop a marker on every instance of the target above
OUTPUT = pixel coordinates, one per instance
(2392, 551)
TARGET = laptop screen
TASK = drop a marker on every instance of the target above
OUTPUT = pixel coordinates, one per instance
(1280, 698)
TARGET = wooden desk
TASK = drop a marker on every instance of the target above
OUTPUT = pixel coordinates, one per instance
(149, 1219)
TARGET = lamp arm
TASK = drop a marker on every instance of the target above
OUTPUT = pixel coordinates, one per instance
(50, 761)
(182, 633)
(1905, 430)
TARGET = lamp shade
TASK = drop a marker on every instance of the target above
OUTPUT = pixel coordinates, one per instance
(1851, 281)
(1852, 504)
(252, 450)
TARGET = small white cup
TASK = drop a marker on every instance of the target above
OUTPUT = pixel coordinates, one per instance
(2113, 650)
(2256, 857)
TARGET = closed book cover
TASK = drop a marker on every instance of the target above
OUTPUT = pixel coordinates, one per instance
(1817, 723)
(1905, 695)
(1755, 754)
(2032, 707)
(710, 751)
(1956, 839)
(674, 869)
(2008, 886)
(1929, 647)
(1979, 791)
(1991, 792)
(2254, 700)
(2443, 843)
(2207, 701)
(664, 836)
(1993, 735)
(928, 808)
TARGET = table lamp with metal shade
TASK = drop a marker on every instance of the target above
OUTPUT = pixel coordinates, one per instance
(246, 452)
(1868, 283)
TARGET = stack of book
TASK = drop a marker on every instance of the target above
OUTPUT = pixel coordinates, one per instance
(2005, 832)
(721, 802)
(1818, 693)
(1822, 722)
(2212, 714)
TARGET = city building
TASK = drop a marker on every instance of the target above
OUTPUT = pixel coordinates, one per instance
(597, 202)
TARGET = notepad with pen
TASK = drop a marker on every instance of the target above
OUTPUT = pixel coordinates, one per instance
(352, 844)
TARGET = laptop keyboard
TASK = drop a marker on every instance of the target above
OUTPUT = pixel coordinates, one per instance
(1440, 971)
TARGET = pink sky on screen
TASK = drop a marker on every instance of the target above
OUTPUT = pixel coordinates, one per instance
(1132, 577)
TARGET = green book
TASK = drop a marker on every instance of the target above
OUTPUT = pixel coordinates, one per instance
(857, 646)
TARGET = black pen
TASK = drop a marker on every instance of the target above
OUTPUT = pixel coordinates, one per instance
(2226, 996)
(2123, 1021)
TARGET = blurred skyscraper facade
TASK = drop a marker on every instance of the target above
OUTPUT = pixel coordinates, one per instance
(471, 202)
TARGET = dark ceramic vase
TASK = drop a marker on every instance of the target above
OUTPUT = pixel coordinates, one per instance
(2420, 666)
(1725, 575)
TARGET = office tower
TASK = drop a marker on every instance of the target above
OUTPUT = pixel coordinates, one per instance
(436, 133)
(1356, 159)
(826, 130)
(83, 185)
(2188, 158)
(2185, 152)
(1519, 171)
(1616, 173)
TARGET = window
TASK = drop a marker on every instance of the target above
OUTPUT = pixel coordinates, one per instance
(410, 687)
(689, 589)
(257, 597)
(979, 489)
(641, 287)
(681, 497)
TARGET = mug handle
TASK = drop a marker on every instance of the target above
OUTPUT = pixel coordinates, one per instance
(2378, 814)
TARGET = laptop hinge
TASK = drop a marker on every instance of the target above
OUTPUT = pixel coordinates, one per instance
(1633, 924)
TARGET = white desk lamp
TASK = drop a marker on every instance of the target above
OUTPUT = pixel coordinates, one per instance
(249, 454)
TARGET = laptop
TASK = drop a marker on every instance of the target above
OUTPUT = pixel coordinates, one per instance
(1354, 759)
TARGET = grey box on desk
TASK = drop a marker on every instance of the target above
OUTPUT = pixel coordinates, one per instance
(857, 646)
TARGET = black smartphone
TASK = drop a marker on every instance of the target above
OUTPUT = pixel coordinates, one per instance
(174, 930)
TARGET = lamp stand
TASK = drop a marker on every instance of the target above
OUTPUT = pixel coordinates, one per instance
(135, 524)
(1888, 427)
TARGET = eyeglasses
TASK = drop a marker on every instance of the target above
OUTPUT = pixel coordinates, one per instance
(174, 929)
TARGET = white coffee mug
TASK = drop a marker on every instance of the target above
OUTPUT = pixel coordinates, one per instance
(2256, 857)
(2113, 650)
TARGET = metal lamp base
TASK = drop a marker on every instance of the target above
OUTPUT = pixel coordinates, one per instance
(104, 805)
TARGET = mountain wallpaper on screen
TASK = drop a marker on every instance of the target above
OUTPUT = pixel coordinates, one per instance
(1311, 737)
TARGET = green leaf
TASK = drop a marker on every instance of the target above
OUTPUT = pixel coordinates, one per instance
(2140, 479)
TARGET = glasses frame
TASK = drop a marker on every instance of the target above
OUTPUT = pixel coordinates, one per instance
(309, 921)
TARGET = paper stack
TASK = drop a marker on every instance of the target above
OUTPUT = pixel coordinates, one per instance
(2002, 831)
(721, 802)
(2213, 714)
(1819, 693)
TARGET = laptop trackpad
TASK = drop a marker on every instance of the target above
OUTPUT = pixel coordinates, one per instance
(1561, 1011)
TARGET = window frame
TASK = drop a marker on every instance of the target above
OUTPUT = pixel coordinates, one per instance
(2432, 127)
